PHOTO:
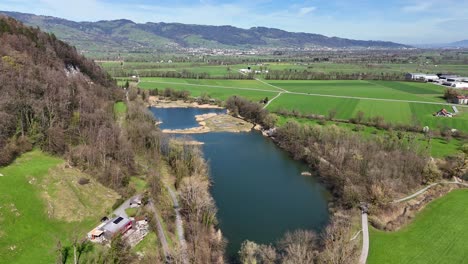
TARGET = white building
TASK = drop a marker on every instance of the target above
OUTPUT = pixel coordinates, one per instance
(461, 99)
(422, 77)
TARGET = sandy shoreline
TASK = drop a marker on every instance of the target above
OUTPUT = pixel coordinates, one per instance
(154, 101)
(213, 122)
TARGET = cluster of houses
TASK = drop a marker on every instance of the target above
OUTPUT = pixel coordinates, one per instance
(453, 81)
(249, 70)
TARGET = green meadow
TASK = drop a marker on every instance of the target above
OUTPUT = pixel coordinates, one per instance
(28, 233)
(219, 89)
(436, 235)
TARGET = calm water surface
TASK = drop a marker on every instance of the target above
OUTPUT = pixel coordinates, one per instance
(258, 188)
(180, 118)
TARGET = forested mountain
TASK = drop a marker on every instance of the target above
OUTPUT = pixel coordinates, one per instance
(126, 35)
(53, 98)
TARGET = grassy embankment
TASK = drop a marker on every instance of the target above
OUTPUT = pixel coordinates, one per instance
(436, 235)
(41, 203)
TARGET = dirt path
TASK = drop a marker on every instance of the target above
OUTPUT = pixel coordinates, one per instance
(312, 94)
(365, 239)
(120, 211)
(179, 226)
(272, 99)
(161, 234)
(423, 190)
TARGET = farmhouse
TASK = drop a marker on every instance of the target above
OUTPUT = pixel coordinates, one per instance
(117, 225)
(461, 99)
(422, 77)
(444, 113)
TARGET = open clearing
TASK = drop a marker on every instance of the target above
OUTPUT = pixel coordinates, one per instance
(437, 235)
(35, 192)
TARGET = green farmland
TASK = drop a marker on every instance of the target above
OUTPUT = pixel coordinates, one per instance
(437, 235)
(219, 89)
(117, 69)
(396, 102)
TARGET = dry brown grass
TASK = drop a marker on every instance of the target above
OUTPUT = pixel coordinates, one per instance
(69, 201)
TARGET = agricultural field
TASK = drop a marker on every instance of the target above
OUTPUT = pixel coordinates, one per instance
(436, 235)
(409, 91)
(119, 69)
(41, 203)
(396, 102)
(219, 89)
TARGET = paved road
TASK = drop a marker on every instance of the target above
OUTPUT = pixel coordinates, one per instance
(311, 94)
(125, 205)
(179, 226)
(161, 235)
(365, 240)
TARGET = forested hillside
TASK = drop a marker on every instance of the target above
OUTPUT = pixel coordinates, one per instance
(57, 100)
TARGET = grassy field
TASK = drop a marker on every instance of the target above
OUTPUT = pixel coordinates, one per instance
(395, 112)
(326, 67)
(318, 98)
(370, 89)
(219, 89)
(438, 147)
(437, 235)
(40, 203)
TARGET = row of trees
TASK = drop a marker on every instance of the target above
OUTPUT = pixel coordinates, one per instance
(313, 75)
(253, 112)
(306, 247)
(205, 244)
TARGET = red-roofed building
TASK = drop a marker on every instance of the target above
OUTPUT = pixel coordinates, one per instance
(461, 99)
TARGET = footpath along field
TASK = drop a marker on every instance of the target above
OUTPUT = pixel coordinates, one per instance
(219, 89)
(436, 235)
(396, 102)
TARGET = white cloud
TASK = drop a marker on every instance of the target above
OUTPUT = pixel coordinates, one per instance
(306, 10)
(418, 7)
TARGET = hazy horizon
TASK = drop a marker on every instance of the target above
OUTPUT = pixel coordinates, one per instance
(408, 22)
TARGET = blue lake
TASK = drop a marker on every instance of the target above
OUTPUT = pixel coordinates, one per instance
(180, 118)
(259, 190)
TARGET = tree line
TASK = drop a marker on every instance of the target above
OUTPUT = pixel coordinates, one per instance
(314, 75)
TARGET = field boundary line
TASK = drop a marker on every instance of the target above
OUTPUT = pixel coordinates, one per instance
(312, 94)
(375, 99)
(214, 86)
(269, 84)
(272, 99)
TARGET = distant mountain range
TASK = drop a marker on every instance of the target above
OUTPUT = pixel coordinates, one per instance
(126, 35)
(458, 44)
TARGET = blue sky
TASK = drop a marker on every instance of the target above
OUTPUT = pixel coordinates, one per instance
(405, 21)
